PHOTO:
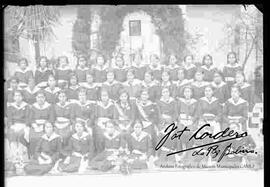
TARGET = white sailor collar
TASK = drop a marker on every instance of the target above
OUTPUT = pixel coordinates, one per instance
(213, 99)
(62, 106)
(218, 85)
(84, 135)
(173, 67)
(83, 69)
(74, 87)
(192, 101)
(206, 68)
(19, 70)
(167, 101)
(86, 85)
(120, 68)
(35, 90)
(104, 67)
(115, 134)
(240, 101)
(107, 83)
(23, 104)
(87, 102)
(159, 67)
(245, 85)
(152, 83)
(168, 83)
(233, 66)
(138, 66)
(134, 82)
(199, 84)
(183, 82)
(52, 137)
(56, 89)
(45, 105)
(64, 68)
(110, 103)
(188, 67)
(140, 137)
(42, 70)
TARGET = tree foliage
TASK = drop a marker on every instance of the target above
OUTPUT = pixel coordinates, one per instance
(81, 31)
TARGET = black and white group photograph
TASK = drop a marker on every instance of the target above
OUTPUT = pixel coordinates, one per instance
(132, 90)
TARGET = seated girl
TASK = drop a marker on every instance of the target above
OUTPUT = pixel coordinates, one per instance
(80, 149)
(46, 152)
(109, 148)
(140, 147)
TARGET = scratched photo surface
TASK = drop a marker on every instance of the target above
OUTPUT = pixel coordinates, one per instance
(99, 89)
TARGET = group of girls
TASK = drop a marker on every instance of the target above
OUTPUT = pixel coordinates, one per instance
(101, 117)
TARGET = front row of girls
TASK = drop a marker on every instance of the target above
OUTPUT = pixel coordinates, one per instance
(127, 125)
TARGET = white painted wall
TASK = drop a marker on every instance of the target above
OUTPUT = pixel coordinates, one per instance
(148, 40)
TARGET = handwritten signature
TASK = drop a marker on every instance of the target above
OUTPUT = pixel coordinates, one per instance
(213, 147)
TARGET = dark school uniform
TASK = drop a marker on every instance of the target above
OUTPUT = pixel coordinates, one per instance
(49, 146)
(78, 149)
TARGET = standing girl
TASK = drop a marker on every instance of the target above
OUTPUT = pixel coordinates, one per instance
(230, 69)
(208, 68)
(42, 73)
(62, 72)
(81, 69)
(23, 73)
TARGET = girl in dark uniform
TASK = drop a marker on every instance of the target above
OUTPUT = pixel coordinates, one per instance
(46, 152)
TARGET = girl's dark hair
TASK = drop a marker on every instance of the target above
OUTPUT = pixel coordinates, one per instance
(40, 58)
(58, 60)
(78, 59)
(101, 55)
(232, 53)
(23, 59)
(204, 57)
(70, 76)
